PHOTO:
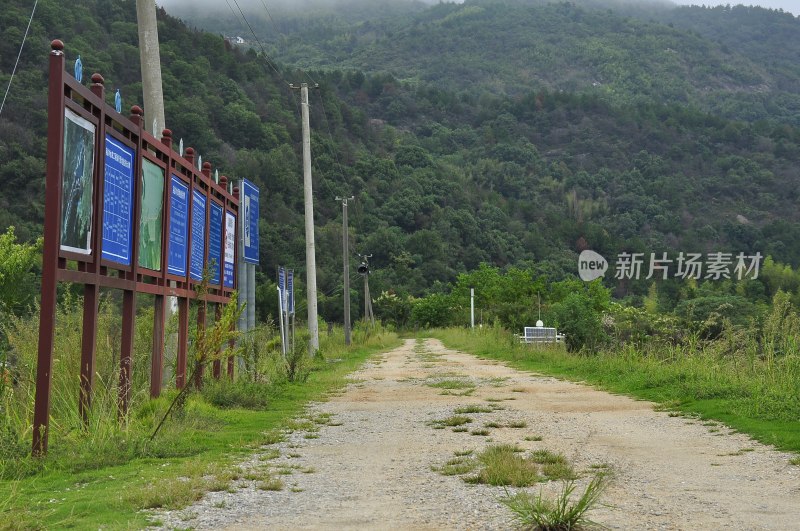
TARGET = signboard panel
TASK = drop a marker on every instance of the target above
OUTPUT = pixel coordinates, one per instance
(215, 243)
(230, 249)
(118, 202)
(152, 214)
(249, 221)
(290, 288)
(177, 252)
(282, 287)
(198, 250)
(78, 184)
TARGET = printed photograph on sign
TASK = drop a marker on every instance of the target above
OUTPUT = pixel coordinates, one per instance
(230, 249)
(198, 251)
(151, 219)
(177, 252)
(117, 202)
(77, 185)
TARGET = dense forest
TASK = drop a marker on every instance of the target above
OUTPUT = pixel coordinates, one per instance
(509, 133)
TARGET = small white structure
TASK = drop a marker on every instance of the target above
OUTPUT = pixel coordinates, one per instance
(540, 334)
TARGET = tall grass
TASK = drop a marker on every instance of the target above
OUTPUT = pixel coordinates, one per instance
(67, 429)
(749, 378)
(99, 476)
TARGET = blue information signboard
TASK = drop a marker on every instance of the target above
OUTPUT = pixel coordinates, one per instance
(282, 287)
(178, 227)
(197, 261)
(248, 208)
(215, 242)
(230, 249)
(290, 289)
(117, 202)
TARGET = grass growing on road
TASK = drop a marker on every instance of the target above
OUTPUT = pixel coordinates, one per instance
(754, 396)
(535, 512)
(507, 465)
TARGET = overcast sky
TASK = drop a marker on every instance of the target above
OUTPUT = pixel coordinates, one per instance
(792, 6)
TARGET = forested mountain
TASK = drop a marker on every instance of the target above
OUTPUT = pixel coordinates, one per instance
(473, 133)
(739, 63)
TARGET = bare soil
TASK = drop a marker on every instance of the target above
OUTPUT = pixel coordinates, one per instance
(372, 466)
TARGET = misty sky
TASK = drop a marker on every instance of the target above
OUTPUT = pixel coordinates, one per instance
(792, 6)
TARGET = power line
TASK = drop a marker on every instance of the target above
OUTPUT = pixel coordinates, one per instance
(22, 45)
(260, 45)
(321, 100)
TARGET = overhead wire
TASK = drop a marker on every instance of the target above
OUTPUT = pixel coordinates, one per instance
(329, 146)
(329, 130)
(264, 53)
(16, 63)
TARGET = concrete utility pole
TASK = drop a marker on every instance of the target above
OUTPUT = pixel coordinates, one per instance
(346, 260)
(150, 59)
(472, 307)
(151, 66)
(311, 261)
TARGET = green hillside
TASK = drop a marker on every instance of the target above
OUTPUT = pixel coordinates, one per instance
(446, 174)
(740, 63)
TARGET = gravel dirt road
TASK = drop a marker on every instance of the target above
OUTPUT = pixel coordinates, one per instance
(365, 458)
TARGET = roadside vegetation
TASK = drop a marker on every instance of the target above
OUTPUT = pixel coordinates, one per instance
(105, 473)
(747, 378)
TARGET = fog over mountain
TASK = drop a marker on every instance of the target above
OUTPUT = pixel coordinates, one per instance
(791, 6)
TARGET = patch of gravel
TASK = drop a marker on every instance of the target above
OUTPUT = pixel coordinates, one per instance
(370, 463)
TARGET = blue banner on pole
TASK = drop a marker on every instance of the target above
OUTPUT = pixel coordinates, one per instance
(290, 289)
(198, 235)
(215, 243)
(177, 251)
(248, 209)
(117, 202)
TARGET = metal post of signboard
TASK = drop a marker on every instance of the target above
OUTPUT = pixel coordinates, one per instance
(217, 365)
(52, 226)
(91, 291)
(251, 296)
(129, 297)
(183, 314)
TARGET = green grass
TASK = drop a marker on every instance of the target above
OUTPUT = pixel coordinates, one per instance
(563, 513)
(451, 421)
(502, 464)
(473, 409)
(68, 489)
(451, 384)
(747, 395)
(457, 466)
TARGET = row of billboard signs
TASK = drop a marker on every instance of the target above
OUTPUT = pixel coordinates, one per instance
(188, 210)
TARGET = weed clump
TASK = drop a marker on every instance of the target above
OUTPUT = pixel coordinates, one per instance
(535, 512)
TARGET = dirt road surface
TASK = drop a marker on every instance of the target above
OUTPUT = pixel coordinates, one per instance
(368, 461)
